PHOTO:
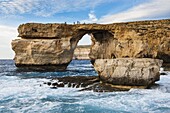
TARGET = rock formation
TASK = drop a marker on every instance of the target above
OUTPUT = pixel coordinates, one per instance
(82, 52)
(142, 39)
(91, 83)
(54, 44)
(42, 52)
(128, 71)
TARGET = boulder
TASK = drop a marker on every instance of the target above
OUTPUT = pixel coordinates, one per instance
(128, 71)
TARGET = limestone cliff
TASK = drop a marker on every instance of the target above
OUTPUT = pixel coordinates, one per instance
(141, 39)
(42, 52)
(82, 52)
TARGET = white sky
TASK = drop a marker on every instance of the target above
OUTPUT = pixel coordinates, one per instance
(86, 40)
(7, 34)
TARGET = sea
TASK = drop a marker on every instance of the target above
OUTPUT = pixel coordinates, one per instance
(23, 91)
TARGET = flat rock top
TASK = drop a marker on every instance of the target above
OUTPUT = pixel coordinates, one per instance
(56, 30)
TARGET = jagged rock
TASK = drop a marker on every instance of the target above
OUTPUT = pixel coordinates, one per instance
(163, 73)
(87, 83)
(128, 71)
(74, 81)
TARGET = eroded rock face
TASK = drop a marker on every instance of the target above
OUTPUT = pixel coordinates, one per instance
(42, 52)
(128, 71)
(145, 39)
(142, 39)
(82, 52)
(54, 45)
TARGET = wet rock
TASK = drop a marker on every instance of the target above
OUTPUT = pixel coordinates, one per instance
(163, 73)
(55, 84)
(61, 85)
(78, 85)
(48, 83)
(89, 83)
(69, 84)
(53, 87)
(73, 85)
(75, 81)
(106, 87)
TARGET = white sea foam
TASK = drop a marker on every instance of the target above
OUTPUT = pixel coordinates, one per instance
(31, 95)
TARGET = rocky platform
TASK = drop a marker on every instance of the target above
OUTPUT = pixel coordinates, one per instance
(85, 83)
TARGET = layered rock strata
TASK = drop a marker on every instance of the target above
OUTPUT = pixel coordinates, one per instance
(82, 52)
(141, 39)
(55, 53)
(54, 45)
(128, 71)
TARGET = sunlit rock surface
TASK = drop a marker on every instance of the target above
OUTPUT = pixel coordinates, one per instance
(128, 71)
(54, 45)
(82, 52)
(141, 39)
(42, 52)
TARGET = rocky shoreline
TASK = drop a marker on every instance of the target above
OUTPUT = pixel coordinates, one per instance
(93, 83)
(86, 83)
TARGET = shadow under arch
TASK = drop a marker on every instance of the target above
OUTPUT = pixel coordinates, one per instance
(100, 43)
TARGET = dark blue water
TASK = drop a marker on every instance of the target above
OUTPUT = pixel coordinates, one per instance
(23, 91)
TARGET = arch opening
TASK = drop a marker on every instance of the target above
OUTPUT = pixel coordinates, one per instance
(82, 49)
(85, 40)
(81, 63)
(98, 43)
(89, 45)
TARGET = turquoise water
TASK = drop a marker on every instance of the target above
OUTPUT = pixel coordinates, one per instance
(23, 91)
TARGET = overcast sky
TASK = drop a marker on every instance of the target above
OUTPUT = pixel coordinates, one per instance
(15, 12)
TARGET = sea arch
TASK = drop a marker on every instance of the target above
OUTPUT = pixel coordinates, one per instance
(54, 44)
(120, 52)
